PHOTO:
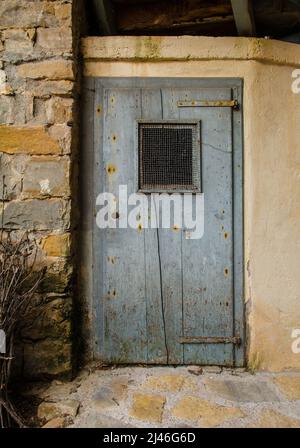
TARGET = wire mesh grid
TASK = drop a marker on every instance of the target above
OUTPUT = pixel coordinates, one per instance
(169, 157)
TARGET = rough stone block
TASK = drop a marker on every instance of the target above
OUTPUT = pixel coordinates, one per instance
(2, 77)
(212, 369)
(18, 45)
(46, 176)
(63, 135)
(104, 399)
(5, 89)
(272, 419)
(55, 40)
(59, 110)
(49, 411)
(6, 110)
(289, 386)
(20, 35)
(58, 277)
(57, 245)
(33, 140)
(51, 357)
(52, 69)
(241, 391)
(195, 370)
(23, 110)
(168, 383)
(148, 407)
(119, 387)
(63, 13)
(38, 112)
(211, 414)
(57, 391)
(50, 214)
(49, 320)
(12, 172)
(103, 421)
(46, 88)
(58, 422)
(110, 395)
(24, 14)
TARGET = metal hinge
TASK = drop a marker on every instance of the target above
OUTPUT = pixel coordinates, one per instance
(236, 340)
(197, 103)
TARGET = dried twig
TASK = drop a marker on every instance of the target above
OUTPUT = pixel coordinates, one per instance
(18, 282)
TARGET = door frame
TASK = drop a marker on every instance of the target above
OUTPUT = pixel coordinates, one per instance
(91, 182)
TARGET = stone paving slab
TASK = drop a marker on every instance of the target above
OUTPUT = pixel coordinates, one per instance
(181, 397)
(204, 413)
(272, 419)
(147, 407)
(251, 391)
(289, 386)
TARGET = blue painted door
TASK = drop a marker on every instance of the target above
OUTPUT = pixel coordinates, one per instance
(161, 298)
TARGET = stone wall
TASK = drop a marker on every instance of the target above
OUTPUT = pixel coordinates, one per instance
(37, 150)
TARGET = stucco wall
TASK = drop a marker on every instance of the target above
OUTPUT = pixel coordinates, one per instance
(271, 165)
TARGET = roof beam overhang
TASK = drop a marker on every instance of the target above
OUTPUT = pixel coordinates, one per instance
(105, 17)
(244, 17)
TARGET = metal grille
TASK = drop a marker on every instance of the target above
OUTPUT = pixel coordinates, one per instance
(169, 157)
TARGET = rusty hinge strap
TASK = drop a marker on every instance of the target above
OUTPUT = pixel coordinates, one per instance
(210, 340)
(197, 103)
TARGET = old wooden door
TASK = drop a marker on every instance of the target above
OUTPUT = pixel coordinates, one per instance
(160, 297)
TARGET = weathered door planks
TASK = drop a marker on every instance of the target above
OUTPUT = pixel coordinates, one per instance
(155, 294)
(125, 329)
(208, 272)
(153, 287)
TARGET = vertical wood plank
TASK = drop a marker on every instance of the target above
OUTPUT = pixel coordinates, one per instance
(125, 337)
(156, 325)
(208, 262)
(171, 260)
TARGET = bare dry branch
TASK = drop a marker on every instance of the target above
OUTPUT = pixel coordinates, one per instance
(19, 281)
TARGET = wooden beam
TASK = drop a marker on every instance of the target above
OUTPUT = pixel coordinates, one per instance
(171, 17)
(244, 17)
(105, 17)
